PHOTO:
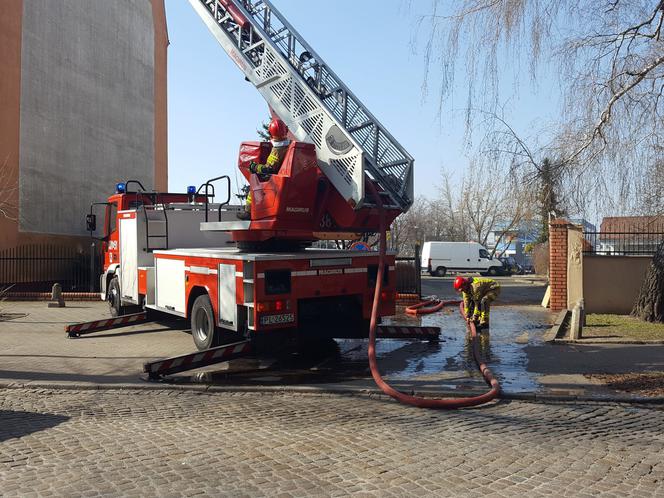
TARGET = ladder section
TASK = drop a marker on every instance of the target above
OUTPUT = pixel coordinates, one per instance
(314, 102)
(156, 227)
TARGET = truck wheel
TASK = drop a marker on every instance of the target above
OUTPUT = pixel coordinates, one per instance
(492, 271)
(441, 271)
(203, 329)
(113, 297)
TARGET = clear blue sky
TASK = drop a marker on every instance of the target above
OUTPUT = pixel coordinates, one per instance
(368, 43)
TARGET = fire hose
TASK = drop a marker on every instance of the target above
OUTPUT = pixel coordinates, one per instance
(429, 306)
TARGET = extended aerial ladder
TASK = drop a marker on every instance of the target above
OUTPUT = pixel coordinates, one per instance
(312, 100)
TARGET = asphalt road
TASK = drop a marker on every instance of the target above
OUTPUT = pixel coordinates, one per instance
(133, 443)
(524, 289)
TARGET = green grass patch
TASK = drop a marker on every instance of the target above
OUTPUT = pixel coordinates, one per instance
(622, 327)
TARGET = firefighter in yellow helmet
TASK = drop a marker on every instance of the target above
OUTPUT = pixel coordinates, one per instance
(478, 294)
(278, 134)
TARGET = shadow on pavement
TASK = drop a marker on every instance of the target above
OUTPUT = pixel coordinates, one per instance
(16, 424)
(585, 359)
(100, 378)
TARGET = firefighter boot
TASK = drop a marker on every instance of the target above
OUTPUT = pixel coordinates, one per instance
(484, 318)
(245, 214)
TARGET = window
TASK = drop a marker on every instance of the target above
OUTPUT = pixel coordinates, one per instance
(277, 282)
(484, 254)
(112, 213)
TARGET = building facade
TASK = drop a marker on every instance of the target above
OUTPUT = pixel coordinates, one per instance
(83, 99)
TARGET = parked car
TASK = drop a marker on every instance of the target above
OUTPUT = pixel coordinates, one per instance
(511, 267)
(439, 258)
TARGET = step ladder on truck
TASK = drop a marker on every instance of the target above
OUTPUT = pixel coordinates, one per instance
(185, 255)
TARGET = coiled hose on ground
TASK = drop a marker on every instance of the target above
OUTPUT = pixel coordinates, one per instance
(425, 307)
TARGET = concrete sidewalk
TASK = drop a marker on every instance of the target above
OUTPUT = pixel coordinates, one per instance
(35, 352)
(34, 349)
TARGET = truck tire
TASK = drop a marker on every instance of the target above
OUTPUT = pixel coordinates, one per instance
(114, 298)
(203, 328)
(492, 271)
(441, 271)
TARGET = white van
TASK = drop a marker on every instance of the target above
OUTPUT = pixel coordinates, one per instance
(440, 257)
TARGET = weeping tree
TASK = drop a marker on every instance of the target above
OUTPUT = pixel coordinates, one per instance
(609, 57)
(649, 305)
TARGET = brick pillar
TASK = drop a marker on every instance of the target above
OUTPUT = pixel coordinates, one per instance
(558, 264)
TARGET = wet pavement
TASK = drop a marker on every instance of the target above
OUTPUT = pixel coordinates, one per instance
(414, 365)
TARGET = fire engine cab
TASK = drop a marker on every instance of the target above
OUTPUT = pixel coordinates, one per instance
(184, 254)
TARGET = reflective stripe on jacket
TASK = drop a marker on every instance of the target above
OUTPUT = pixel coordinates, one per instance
(479, 288)
(274, 160)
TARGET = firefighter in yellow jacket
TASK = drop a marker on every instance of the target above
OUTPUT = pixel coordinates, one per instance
(278, 134)
(478, 294)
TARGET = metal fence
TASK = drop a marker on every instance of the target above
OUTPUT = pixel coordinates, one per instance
(36, 267)
(623, 243)
(408, 272)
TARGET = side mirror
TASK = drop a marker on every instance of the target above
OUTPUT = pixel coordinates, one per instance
(91, 222)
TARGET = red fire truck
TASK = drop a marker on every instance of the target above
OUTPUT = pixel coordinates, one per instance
(186, 255)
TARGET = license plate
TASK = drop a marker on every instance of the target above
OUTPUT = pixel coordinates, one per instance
(277, 319)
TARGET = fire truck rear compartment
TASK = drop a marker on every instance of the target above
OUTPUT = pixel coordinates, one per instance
(336, 316)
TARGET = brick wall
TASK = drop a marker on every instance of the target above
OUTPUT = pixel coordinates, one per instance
(558, 264)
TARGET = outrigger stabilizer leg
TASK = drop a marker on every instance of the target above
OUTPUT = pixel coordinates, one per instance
(79, 329)
(167, 366)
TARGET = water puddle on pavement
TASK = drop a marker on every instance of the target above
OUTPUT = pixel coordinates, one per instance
(446, 364)
(512, 328)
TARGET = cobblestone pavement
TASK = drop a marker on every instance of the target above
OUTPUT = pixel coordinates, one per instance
(106, 442)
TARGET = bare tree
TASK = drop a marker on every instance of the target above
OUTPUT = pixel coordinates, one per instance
(411, 227)
(610, 58)
(448, 220)
(489, 200)
(494, 201)
(8, 192)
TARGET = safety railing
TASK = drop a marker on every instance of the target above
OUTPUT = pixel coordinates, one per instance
(625, 243)
(209, 193)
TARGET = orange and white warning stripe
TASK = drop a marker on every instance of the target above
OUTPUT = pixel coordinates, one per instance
(78, 329)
